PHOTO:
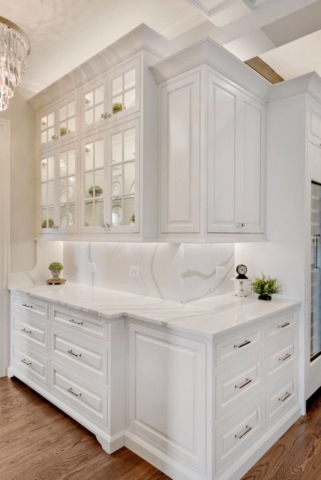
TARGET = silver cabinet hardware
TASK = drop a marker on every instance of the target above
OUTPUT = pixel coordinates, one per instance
(27, 306)
(104, 116)
(54, 137)
(74, 322)
(55, 227)
(287, 395)
(244, 432)
(26, 331)
(74, 393)
(243, 384)
(240, 224)
(286, 356)
(25, 362)
(105, 225)
(242, 344)
(286, 324)
(74, 354)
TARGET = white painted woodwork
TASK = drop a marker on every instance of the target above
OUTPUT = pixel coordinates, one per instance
(31, 363)
(180, 154)
(281, 396)
(78, 322)
(314, 123)
(281, 324)
(238, 344)
(167, 392)
(33, 332)
(36, 308)
(280, 357)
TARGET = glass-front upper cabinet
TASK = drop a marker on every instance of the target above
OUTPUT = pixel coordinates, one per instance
(58, 191)
(58, 123)
(110, 97)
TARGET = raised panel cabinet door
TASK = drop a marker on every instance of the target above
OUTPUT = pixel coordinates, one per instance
(223, 144)
(167, 388)
(314, 124)
(180, 155)
(249, 181)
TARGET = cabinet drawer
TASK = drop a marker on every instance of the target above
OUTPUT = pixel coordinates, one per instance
(88, 399)
(33, 332)
(237, 383)
(85, 357)
(280, 357)
(280, 397)
(36, 308)
(278, 326)
(235, 436)
(234, 346)
(79, 322)
(30, 363)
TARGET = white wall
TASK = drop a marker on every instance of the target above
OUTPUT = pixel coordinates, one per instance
(23, 183)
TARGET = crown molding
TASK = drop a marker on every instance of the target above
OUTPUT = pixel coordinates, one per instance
(309, 83)
(211, 53)
(141, 38)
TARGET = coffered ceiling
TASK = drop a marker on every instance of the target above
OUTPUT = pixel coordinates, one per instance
(65, 33)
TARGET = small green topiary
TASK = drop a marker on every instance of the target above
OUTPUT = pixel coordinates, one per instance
(56, 267)
(117, 107)
(98, 190)
(50, 223)
(265, 287)
(64, 131)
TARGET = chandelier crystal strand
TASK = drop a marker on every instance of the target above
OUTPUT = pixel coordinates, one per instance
(14, 50)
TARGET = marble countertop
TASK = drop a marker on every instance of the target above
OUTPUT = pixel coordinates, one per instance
(208, 317)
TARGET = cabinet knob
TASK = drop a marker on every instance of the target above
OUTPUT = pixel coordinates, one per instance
(240, 224)
(105, 225)
(54, 227)
(54, 137)
(104, 115)
(109, 115)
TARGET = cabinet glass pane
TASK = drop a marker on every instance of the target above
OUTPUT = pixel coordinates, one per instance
(89, 214)
(130, 79)
(89, 99)
(116, 212)
(99, 112)
(44, 194)
(71, 125)
(71, 109)
(117, 85)
(315, 347)
(63, 164)
(67, 216)
(99, 154)
(63, 113)
(44, 170)
(47, 128)
(67, 119)
(129, 99)
(89, 156)
(94, 105)
(117, 180)
(89, 117)
(51, 193)
(67, 188)
(94, 183)
(117, 148)
(128, 210)
(51, 168)
(129, 144)
(129, 177)
(71, 163)
(99, 183)
(99, 95)
(71, 214)
(99, 213)
(89, 182)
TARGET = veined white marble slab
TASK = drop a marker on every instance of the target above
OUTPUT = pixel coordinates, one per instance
(208, 317)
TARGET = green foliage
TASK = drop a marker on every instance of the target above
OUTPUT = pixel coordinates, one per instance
(50, 223)
(56, 266)
(265, 285)
(117, 107)
(64, 131)
(132, 218)
(98, 190)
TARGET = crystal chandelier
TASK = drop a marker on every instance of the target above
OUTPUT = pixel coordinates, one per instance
(14, 50)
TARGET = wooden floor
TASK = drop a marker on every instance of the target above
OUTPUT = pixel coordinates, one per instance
(39, 442)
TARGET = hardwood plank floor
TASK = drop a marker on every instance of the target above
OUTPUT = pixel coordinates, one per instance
(297, 455)
(39, 442)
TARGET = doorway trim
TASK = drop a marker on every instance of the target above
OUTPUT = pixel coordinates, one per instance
(4, 245)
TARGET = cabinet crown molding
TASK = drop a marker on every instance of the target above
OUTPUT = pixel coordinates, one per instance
(309, 83)
(211, 53)
(141, 38)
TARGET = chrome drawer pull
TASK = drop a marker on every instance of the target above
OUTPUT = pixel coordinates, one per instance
(74, 322)
(286, 356)
(27, 306)
(25, 361)
(243, 384)
(26, 331)
(76, 394)
(240, 345)
(287, 395)
(244, 432)
(74, 354)
(286, 324)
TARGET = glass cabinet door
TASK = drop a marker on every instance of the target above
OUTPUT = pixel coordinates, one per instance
(315, 347)
(67, 119)
(47, 128)
(94, 104)
(93, 185)
(67, 190)
(47, 194)
(123, 174)
(123, 92)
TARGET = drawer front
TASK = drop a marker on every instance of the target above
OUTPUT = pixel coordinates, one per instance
(238, 383)
(280, 397)
(235, 436)
(85, 357)
(32, 331)
(36, 308)
(30, 363)
(280, 325)
(86, 398)
(234, 346)
(280, 358)
(79, 322)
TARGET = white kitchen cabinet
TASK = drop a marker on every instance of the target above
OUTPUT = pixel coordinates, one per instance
(180, 154)
(314, 122)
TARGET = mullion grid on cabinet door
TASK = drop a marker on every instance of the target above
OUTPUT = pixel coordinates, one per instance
(47, 193)
(94, 183)
(67, 118)
(47, 128)
(123, 91)
(67, 189)
(94, 101)
(123, 177)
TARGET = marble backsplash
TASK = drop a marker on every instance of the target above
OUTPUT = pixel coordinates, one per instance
(182, 272)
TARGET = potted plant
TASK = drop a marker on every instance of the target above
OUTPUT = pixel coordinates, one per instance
(265, 287)
(117, 107)
(132, 219)
(50, 223)
(55, 268)
(64, 131)
(98, 190)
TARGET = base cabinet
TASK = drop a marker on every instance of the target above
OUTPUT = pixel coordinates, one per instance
(195, 407)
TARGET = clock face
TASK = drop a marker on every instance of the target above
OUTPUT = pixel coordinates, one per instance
(241, 269)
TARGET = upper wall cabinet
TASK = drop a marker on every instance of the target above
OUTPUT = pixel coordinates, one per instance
(212, 148)
(314, 123)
